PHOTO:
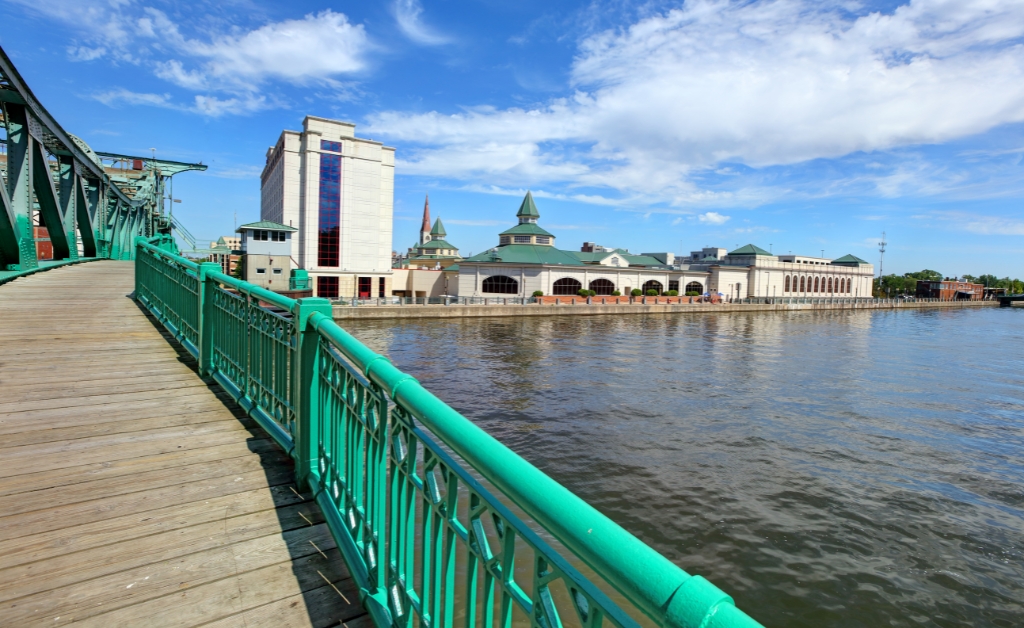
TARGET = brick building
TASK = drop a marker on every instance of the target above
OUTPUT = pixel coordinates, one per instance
(950, 290)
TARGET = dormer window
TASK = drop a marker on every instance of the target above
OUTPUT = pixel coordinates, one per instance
(615, 261)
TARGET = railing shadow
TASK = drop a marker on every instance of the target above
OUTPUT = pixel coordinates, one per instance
(321, 591)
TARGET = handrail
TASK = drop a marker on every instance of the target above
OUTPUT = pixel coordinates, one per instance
(371, 441)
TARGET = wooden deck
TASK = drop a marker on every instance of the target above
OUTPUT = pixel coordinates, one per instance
(133, 492)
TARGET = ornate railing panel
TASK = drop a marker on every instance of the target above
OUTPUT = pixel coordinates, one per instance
(438, 523)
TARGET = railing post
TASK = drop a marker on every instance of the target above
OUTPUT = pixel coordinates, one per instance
(306, 386)
(205, 316)
(138, 267)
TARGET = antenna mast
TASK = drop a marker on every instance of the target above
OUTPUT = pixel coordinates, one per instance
(881, 254)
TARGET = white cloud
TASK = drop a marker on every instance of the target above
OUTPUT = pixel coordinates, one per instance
(317, 49)
(408, 16)
(205, 105)
(713, 218)
(760, 83)
(979, 224)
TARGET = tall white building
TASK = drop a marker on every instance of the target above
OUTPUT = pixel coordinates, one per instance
(338, 191)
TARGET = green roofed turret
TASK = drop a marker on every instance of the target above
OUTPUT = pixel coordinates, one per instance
(528, 210)
(750, 249)
(849, 260)
(438, 232)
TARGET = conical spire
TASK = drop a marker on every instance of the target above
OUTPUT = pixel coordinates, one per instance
(425, 228)
(438, 232)
(528, 209)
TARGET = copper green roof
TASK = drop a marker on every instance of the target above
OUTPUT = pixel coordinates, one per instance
(527, 254)
(630, 259)
(750, 249)
(849, 259)
(641, 260)
(436, 244)
(528, 208)
(438, 231)
(527, 228)
(266, 224)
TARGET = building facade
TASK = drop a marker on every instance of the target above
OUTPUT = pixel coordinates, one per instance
(950, 290)
(337, 190)
(526, 260)
(266, 254)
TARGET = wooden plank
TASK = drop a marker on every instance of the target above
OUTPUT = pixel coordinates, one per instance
(92, 429)
(17, 461)
(320, 607)
(115, 530)
(276, 465)
(23, 524)
(130, 466)
(243, 592)
(165, 577)
(46, 419)
(66, 570)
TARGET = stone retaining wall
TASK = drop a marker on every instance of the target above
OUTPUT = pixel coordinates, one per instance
(474, 311)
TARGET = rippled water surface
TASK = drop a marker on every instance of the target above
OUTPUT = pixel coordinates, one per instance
(835, 468)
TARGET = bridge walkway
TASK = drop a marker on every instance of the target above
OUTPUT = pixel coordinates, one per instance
(131, 490)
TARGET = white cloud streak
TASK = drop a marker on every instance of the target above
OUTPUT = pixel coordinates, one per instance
(409, 18)
(713, 218)
(762, 83)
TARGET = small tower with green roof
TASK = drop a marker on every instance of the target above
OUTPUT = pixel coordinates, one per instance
(527, 231)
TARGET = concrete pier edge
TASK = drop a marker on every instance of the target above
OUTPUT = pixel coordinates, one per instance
(371, 312)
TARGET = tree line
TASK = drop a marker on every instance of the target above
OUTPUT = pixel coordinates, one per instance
(895, 285)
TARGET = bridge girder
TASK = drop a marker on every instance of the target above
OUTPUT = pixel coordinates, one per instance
(53, 177)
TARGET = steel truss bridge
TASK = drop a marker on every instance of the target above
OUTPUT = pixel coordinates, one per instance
(92, 205)
(210, 453)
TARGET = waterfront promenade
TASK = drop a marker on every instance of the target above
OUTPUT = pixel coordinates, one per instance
(370, 311)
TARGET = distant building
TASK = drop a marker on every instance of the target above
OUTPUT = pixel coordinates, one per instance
(950, 290)
(226, 251)
(266, 251)
(232, 242)
(422, 273)
(526, 260)
(337, 190)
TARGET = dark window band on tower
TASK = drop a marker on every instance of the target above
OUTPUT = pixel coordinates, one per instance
(330, 210)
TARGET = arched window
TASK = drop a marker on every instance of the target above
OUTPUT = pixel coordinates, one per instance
(815, 284)
(842, 286)
(566, 285)
(849, 287)
(602, 287)
(803, 285)
(786, 288)
(830, 285)
(652, 285)
(694, 286)
(500, 284)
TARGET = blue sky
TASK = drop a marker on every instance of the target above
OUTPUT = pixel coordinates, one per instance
(803, 126)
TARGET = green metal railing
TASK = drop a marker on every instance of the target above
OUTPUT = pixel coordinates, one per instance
(421, 502)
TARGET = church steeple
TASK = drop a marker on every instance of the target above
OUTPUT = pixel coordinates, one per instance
(425, 227)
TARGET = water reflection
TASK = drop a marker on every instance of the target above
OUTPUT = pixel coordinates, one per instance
(831, 468)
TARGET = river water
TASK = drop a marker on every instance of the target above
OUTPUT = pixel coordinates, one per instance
(824, 468)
